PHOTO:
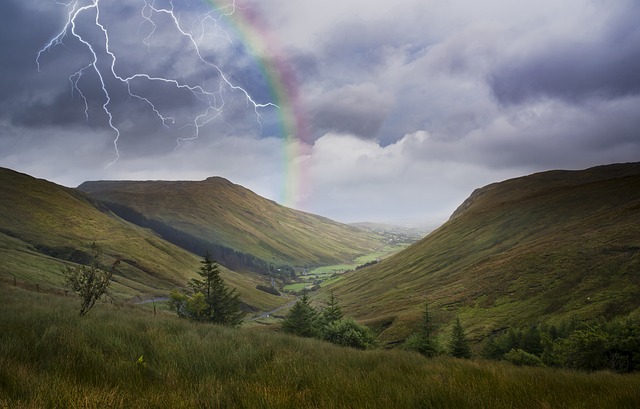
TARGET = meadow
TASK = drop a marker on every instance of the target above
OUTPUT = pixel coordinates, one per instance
(123, 355)
(329, 274)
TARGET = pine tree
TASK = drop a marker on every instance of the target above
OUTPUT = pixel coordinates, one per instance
(458, 344)
(424, 340)
(332, 311)
(531, 341)
(212, 300)
(302, 319)
(491, 349)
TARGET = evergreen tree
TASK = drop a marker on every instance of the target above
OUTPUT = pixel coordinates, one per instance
(302, 319)
(424, 340)
(332, 311)
(458, 344)
(212, 301)
(531, 341)
(491, 349)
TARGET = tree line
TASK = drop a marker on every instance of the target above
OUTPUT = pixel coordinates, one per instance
(591, 345)
(328, 324)
(425, 341)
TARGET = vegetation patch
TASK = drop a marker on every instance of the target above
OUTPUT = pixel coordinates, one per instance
(130, 358)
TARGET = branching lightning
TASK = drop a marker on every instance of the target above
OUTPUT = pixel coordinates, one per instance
(103, 62)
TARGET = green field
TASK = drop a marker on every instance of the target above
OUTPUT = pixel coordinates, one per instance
(330, 274)
(126, 357)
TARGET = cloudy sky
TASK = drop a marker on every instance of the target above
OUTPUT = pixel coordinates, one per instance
(386, 111)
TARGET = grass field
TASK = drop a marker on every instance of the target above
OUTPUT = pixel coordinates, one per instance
(330, 274)
(126, 357)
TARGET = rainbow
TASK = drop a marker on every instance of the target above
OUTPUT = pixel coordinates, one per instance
(282, 84)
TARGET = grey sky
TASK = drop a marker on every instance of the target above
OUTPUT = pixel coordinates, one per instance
(408, 105)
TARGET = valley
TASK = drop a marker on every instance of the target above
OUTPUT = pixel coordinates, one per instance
(553, 254)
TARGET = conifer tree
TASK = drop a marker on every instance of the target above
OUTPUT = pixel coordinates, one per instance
(491, 349)
(302, 319)
(424, 341)
(333, 311)
(458, 344)
(212, 300)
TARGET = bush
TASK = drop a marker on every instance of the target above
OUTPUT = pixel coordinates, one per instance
(520, 357)
(349, 333)
(584, 349)
(425, 346)
(90, 282)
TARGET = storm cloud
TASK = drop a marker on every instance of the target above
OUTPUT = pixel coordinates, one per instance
(402, 108)
(601, 66)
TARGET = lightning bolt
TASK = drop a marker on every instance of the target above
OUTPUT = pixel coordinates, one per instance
(102, 55)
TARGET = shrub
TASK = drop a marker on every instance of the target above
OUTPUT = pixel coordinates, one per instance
(347, 332)
(89, 282)
(520, 357)
(584, 349)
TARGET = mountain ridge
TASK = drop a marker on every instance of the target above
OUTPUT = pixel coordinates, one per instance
(45, 227)
(542, 247)
(221, 213)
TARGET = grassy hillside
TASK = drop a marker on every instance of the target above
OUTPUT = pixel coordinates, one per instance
(44, 226)
(129, 358)
(544, 247)
(217, 211)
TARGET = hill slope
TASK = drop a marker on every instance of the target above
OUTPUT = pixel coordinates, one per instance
(44, 226)
(217, 213)
(539, 248)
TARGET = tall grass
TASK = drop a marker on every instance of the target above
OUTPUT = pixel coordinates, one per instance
(50, 357)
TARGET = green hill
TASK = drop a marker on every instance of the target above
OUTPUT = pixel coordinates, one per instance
(544, 247)
(44, 226)
(247, 231)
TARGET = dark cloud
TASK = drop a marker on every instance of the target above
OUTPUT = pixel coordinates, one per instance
(605, 66)
(424, 99)
(23, 31)
(356, 109)
(63, 110)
